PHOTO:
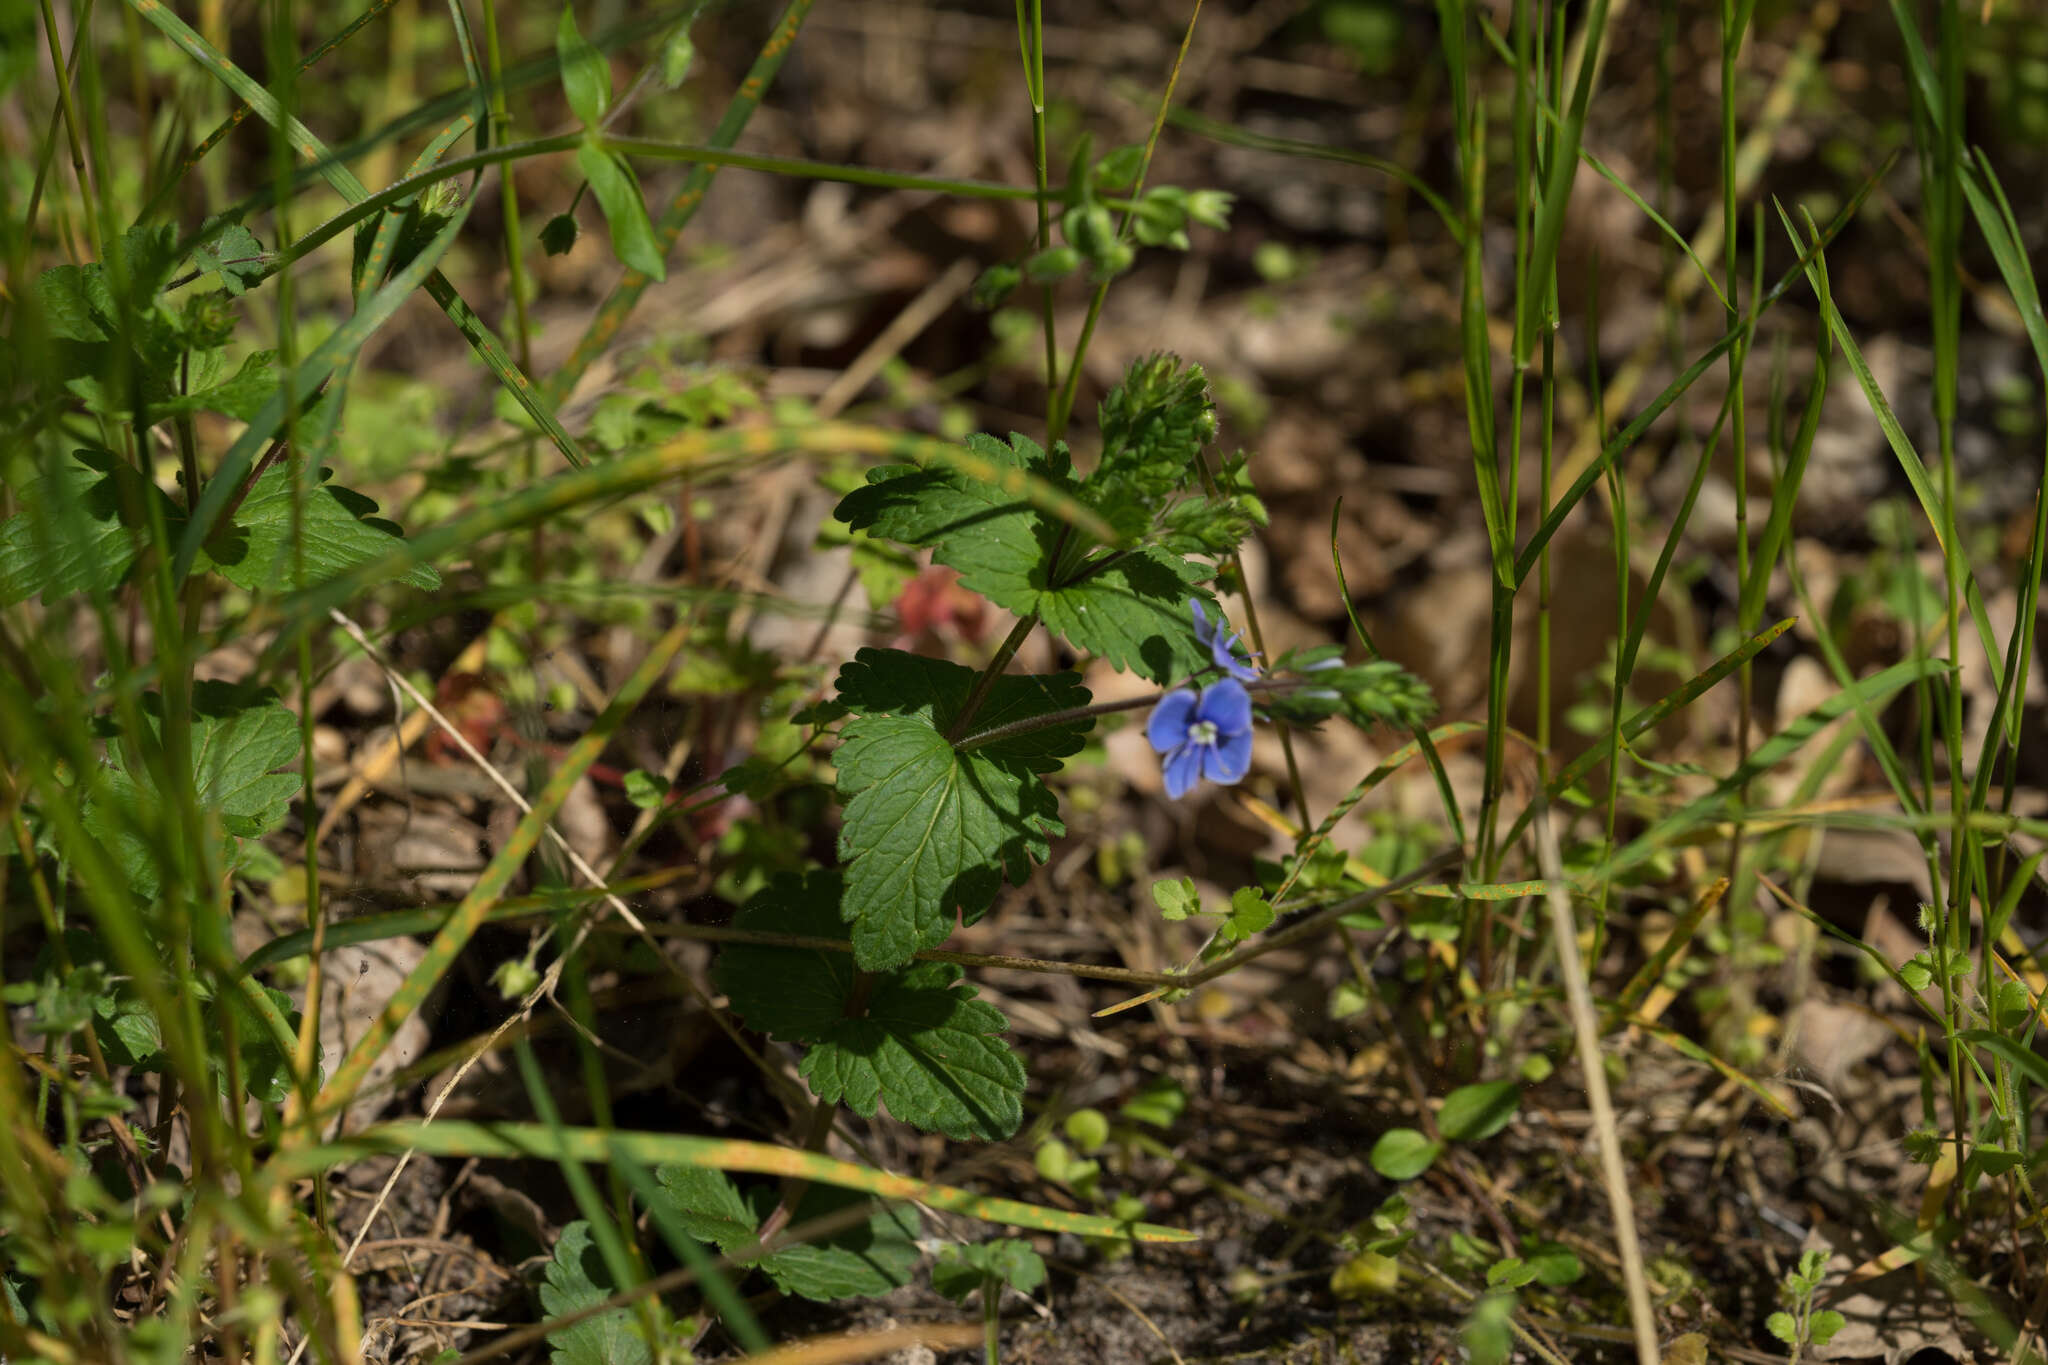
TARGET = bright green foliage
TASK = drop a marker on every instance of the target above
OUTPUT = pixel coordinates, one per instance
(577, 1279)
(586, 72)
(931, 829)
(1005, 1262)
(865, 1260)
(1250, 913)
(1129, 606)
(82, 527)
(337, 527)
(1177, 899)
(1154, 426)
(1158, 1102)
(241, 736)
(1472, 1113)
(914, 1039)
(1404, 1153)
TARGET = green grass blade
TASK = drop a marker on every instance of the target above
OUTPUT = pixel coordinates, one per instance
(533, 1141)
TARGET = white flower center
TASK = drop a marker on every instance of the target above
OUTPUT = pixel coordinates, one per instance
(1202, 732)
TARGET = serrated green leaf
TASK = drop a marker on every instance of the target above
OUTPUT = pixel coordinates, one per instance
(865, 1260)
(1128, 606)
(241, 736)
(1782, 1326)
(586, 72)
(707, 1205)
(340, 531)
(576, 1279)
(236, 255)
(1472, 1113)
(931, 831)
(1177, 899)
(1403, 1153)
(625, 212)
(78, 528)
(922, 1045)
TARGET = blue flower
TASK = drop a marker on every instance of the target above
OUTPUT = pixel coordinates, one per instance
(1203, 734)
(1223, 650)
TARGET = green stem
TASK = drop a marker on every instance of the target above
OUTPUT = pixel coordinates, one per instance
(1004, 653)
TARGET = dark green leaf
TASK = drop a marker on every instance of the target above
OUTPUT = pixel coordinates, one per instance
(1472, 1113)
(866, 1260)
(932, 831)
(625, 212)
(921, 1045)
(576, 1279)
(558, 235)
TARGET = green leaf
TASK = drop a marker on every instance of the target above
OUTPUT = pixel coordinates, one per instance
(241, 736)
(586, 73)
(1511, 1272)
(648, 790)
(1154, 426)
(1010, 1261)
(1554, 1263)
(339, 527)
(1129, 606)
(576, 1279)
(866, 1260)
(1177, 900)
(617, 193)
(235, 255)
(1472, 1113)
(1159, 1102)
(931, 830)
(1250, 912)
(1782, 1326)
(922, 1045)
(1403, 1153)
(79, 528)
(266, 1068)
(1823, 1326)
(707, 1205)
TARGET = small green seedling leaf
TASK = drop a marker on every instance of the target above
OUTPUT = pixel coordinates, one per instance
(648, 790)
(922, 1045)
(1089, 1128)
(1404, 1153)
(1824, 1325)
(1783, 1326)
(1250, 913)
(1554, 1264)
(1177, 899)
(1159, 1102)
(235, 255)
(1473, 1113)
(1007, 1262)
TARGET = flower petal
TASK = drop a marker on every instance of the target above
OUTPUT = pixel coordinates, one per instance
(1167, 727)
(1227, 706)
(1229, 760)
(1224, 653)
(1203, 630)
(1183, 769)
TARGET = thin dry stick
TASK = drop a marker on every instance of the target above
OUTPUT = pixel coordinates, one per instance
(1586, 1026)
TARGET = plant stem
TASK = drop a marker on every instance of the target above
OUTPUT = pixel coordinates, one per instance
(1102, 708)
(1004, 653)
